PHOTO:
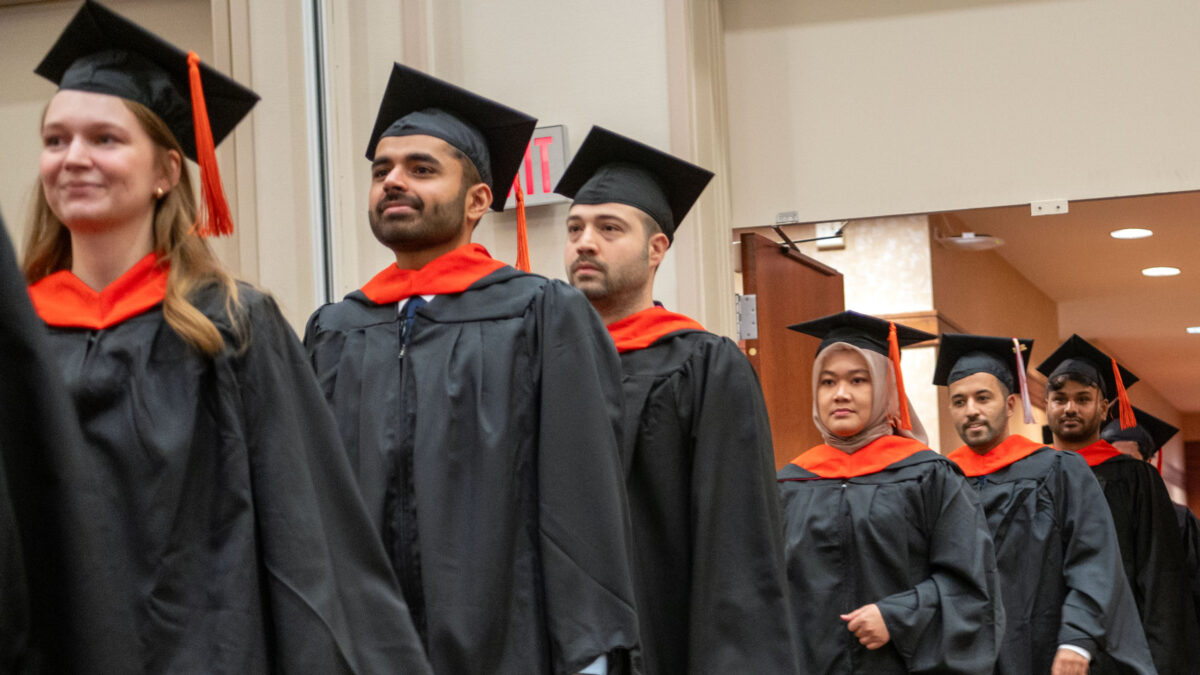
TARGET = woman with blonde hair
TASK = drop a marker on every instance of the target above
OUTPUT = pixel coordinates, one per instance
(890, 563)
(237, 542)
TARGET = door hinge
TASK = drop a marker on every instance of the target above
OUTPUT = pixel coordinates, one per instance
(746, 308)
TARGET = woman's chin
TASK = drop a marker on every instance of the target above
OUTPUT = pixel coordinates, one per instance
(844, 431)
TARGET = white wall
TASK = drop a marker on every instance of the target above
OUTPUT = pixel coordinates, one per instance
(876, 107)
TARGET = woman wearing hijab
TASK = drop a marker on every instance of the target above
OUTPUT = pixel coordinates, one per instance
(890, 564)
(235, 539)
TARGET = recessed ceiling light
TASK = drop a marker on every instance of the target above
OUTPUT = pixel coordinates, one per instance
(1194, 330)
(1130, 233)
(1160, 271)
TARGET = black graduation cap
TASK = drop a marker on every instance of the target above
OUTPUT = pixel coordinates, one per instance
(611, 168)
(868, 332)
(861, 330)
(1080, 357)
(492, 135)
(1151, 433)
(961, 355)
(102, 52)
(1083, 360)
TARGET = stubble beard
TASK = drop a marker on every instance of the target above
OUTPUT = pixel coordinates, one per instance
(429, 225)
(1087, 429)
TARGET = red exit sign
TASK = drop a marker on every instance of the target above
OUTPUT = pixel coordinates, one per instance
(545, 161)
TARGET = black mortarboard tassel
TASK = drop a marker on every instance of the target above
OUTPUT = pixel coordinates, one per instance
(102, 52)
(961, 355)
(868, 332)
(1083, 360)
(611, 168)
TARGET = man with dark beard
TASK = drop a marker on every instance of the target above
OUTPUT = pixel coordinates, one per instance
(1066, 600)
(479, 407)
(709, 571)
(1082, 380)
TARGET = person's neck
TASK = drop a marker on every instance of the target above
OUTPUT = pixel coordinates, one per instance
(1077, 445)
(613, 309)
(416, 259)
(101, 257)
(985, 449)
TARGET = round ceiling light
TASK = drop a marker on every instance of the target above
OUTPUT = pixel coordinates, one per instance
(1160, 271)
(1194, 330)
(1130, 233)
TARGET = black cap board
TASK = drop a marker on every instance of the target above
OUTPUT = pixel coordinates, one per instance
(611, 168)
(492, 135)
(961, 355)
(1150, 434)
(102, 52)
(861, 330)
(1082, 359)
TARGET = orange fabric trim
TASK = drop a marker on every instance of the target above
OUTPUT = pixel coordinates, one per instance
(1099, 452)
(452, 272)
(1013, 449)
(642, 329)
(829, 462)
(62, 299)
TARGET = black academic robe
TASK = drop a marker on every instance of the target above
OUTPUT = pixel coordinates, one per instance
(1153, 558)
(1189, 529)
(487, 456)
(911, 538)
(711, 583)
(55, 601)
(1060, 567)
(233, 529)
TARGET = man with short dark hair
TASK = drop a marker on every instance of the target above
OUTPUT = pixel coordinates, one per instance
(1081, 382)
(1067, 605)
(479, 407)
(709, 571)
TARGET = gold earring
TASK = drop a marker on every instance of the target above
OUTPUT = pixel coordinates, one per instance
(158, 193)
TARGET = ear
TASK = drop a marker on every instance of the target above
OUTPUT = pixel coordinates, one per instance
(172, 167)
(657, 247)
(477, 202)
(1011, 403)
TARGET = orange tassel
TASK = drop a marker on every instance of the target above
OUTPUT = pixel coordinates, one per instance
(1158, 461)
(522, 234)
(213, 219)
(894, 355)
(1128, 419)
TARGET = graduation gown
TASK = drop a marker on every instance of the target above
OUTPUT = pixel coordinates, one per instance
(55, 603)
(909, 536)
(234, 535)
(711, 584)
(1060, 566)
(487, 455)
(1189, 529)
(1151, 553)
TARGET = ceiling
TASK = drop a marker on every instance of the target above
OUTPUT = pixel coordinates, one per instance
(1097, 282)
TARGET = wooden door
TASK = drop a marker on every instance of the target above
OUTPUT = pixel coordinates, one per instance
(789, 287)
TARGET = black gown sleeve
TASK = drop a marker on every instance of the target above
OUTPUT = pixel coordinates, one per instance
(952, 621)
(58, 609)
(583, 522)
(740, 617)
(1189, 529)
(1167, 617)
(333, 601)
(1098, 602)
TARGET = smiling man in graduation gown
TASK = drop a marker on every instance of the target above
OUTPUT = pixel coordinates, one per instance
(479, 406)
(1066, 601)
(1082, 380)
(709, 569)
(890, 562)
(1145, 441)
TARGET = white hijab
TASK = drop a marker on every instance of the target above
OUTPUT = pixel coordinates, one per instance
(885, 408)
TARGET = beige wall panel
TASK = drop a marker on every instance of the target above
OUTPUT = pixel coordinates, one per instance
(842, 110)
